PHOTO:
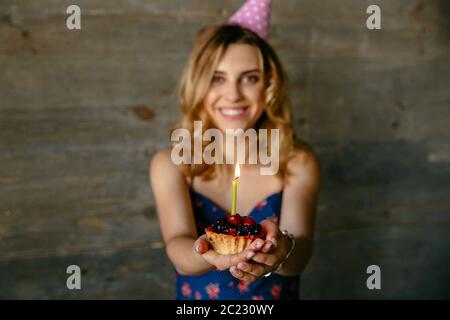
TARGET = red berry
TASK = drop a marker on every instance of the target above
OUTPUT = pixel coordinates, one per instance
(247, 221)
(234, 219)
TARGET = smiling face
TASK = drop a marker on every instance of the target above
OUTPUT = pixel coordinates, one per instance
(235, 98)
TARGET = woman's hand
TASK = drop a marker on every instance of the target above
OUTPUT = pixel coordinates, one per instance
(224, 262)
(264, 261)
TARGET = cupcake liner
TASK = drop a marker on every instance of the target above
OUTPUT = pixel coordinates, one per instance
(228, 244)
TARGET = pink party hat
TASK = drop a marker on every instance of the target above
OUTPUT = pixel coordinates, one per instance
(254, 15)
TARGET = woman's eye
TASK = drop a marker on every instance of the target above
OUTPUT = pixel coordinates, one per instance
(217, 79)
(251, 79)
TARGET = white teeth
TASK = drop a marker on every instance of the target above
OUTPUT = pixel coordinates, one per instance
(232, 112)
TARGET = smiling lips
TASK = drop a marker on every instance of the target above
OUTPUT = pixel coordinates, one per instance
(232, 113)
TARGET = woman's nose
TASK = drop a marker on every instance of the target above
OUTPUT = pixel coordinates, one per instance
(233, 93)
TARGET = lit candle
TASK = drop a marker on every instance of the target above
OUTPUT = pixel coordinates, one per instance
(234, 184)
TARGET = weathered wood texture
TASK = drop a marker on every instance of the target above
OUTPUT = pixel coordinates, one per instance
(82, 112)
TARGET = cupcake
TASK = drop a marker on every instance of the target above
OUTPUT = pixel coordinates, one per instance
(234, 233)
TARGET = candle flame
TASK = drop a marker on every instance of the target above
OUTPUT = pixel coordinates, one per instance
(237, 171)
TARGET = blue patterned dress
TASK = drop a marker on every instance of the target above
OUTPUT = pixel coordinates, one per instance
(222, 285)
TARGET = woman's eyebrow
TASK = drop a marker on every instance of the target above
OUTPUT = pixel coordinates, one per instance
(243, 72)
(250, 71)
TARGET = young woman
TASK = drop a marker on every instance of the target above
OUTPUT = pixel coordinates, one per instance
(234, 80)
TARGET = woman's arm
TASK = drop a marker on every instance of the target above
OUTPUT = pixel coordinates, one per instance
(173, 205)
(299, 209)
(189, 254)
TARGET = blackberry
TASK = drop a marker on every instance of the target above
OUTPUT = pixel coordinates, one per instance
(221, 225)
(222, 221)
(255, 229)
(219, 228)
(241, 230)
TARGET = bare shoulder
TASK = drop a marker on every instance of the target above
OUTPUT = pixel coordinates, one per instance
(161, 157)
(304, 166)
(161, 160)
(162, 167)
(303, 157)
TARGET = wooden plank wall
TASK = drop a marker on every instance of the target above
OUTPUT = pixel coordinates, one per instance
(82, 112)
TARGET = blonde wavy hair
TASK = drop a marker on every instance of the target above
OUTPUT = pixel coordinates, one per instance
(209, 47)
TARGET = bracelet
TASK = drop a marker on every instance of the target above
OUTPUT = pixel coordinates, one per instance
(280, 265)
(290, 237)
